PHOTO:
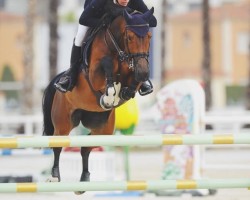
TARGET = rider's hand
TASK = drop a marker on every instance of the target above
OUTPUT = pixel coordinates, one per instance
(106, 20)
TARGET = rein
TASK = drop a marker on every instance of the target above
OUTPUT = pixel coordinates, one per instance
(123, 56)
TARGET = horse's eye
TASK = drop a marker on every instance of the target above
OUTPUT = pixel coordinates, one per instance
(130, 38)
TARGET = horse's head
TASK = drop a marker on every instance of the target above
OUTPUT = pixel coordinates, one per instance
(131, 38)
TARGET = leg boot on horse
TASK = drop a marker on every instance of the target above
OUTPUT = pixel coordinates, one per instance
(69, 79)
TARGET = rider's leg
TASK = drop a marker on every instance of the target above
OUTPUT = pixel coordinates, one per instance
(146, 88)
(69, 79)
(80, 35)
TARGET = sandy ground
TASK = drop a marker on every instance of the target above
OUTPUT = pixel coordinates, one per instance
(234, 194)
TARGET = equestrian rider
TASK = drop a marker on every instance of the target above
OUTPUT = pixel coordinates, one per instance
(91, 17)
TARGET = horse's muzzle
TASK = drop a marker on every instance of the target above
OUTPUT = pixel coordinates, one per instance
(141, 69)
(127, 93)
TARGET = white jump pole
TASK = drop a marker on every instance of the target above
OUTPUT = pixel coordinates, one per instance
(114, 140)
(124, 185)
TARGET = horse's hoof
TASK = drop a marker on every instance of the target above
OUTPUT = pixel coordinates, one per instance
(53, 179)
(85, 177)
(79, 192)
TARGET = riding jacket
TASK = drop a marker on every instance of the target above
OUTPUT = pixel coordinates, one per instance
(95, 9)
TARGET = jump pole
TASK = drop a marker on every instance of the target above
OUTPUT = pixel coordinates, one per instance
(124, 185)
(114, 140)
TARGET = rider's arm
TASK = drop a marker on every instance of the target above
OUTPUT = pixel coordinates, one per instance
(86, 3)
(138, 5)
(92, 14)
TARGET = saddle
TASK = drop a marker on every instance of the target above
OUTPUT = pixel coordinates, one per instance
(89, 37)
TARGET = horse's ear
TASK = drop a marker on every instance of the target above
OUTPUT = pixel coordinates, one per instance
(147, 15)
(126, 15)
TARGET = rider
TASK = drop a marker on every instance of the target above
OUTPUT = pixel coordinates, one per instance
(91, 17)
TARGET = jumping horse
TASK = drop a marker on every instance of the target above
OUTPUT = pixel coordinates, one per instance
(118, 64)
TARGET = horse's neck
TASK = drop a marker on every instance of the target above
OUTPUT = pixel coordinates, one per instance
(116, 26)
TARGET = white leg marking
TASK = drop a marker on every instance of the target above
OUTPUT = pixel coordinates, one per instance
(109, 98)
(117, 98)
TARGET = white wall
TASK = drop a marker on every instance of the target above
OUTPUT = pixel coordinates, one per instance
(20, 7)
(66, 33)
(157, 62)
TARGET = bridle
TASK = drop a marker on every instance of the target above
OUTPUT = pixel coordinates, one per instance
(132, 60)
(126, 56)
(122, 55)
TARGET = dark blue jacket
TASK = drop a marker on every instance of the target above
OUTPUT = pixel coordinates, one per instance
(94, 10)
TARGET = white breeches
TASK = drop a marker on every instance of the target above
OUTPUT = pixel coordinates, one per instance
(80, 35)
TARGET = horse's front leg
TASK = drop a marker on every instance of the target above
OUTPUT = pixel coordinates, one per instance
(108, 98)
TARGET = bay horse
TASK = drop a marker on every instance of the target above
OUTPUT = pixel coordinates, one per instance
(118, 64)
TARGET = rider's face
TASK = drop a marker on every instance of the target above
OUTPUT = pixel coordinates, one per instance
(123, 2)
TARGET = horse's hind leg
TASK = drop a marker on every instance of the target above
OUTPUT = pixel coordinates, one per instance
(85, 151)
(55, 172)
(62, 126)
(55, 169)
(106, 129)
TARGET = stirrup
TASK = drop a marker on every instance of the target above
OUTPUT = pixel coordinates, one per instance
(149, 89)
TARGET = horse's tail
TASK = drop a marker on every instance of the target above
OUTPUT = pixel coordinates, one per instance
(48, 96)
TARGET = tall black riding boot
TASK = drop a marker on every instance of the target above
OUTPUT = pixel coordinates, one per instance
(69, 79)
(146, 88)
